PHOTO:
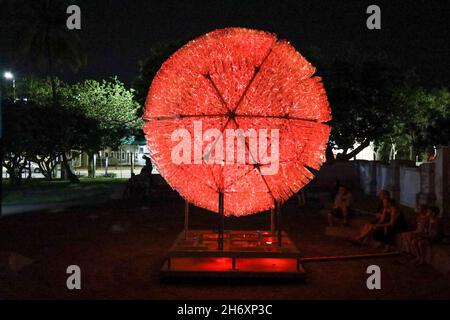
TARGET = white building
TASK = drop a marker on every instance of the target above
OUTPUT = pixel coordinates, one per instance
(130, 152)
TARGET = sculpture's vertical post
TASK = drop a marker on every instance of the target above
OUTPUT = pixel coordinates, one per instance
(279, 227)
(186, 219)
(221, 222)
(272, 221)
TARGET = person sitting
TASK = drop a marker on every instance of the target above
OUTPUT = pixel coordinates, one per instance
(407, 238)
(382, 195)
(393, 223)
(433, 234)
(148, 168)
(342, 207)
(385, 227)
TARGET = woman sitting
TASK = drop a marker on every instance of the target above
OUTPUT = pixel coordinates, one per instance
(384, 229)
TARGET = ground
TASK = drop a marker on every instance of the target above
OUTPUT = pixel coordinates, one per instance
(120, 248)
(56, 195)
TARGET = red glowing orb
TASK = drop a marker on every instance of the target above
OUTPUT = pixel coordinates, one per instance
(239, 112)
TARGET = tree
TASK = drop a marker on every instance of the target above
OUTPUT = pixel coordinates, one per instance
(360, 89)
(42, 37)
(422, 122)
(14, 141)
(150, 66)
(42, 134)
(112, 106)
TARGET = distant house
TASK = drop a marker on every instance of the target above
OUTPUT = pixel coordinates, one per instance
(131, 151)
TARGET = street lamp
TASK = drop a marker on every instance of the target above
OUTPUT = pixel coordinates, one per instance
(8, 75)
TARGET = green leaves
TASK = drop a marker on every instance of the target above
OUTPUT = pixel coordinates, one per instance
(90, 115)
(360, 90)
(422, 120)
(109, 103)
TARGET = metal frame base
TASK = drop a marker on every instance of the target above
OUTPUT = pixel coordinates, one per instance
(245, 254)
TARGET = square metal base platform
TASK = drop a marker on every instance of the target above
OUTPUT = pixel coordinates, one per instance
(245, 254)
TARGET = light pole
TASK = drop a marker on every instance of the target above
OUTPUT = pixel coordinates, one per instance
(6, 76)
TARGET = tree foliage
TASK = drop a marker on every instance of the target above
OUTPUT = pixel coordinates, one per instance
(421, 123)
(150, 66)
(89, 116)
(42, 134)
(360, 89)
(109, 103)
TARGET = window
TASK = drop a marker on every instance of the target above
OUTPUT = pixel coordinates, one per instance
(123, 155)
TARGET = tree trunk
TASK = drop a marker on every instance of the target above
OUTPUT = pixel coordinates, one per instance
(12, 176)
(68, 170)
(63, 169)
(30, 171)
(353, 153)
(91, 165)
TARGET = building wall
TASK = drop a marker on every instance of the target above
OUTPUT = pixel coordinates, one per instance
(383, 177)
(428, 183)
(409, 186)
(120, 156)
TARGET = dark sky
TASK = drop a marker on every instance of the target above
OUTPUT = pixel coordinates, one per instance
(117, 33)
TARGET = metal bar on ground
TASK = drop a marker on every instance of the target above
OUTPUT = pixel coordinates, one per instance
(272, 221)
(350, 257)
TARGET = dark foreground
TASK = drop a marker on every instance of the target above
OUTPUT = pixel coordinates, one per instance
(120, 249)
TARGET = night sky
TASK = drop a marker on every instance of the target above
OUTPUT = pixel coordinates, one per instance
(116, 33)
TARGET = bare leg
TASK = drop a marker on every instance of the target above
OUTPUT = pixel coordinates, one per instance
(406, 242)
(424, 248)
(365, 231)
(330, 219)
(415, 249)
(345, 214)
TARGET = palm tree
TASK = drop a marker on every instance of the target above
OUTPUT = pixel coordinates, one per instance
(43, 38)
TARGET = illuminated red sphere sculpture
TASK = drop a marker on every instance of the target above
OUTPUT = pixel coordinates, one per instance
(237, 112)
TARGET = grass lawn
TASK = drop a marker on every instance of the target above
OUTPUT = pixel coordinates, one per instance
(42, 191)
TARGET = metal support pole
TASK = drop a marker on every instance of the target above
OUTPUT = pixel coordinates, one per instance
(1, 110)
(279, 227)
(272, 221)
(221, 222)
(186, 219)
(132, 161)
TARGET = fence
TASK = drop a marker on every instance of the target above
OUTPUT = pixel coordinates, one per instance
(409, 184)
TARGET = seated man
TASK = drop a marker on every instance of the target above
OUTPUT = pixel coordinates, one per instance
(342, 207)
